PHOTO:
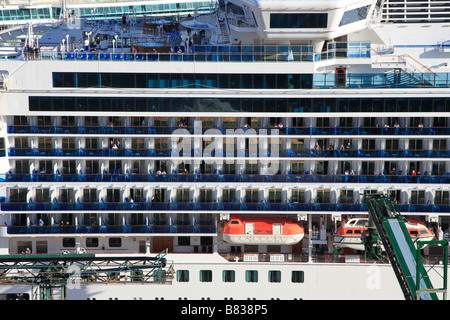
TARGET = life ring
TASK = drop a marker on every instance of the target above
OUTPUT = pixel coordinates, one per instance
(81, 250)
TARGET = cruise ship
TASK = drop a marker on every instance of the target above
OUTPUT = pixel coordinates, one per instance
(215, 156)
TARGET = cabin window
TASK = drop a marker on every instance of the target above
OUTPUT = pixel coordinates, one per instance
(18, 195)
(418, 197)
(357, 231)
(413, 233)
(115, 242)
(275, 196)
(91, 242)
(423, 231)
(441, 197)
(323, 196)
(234, 222)
(251, 276)
(298, 196)
(349, 232)
(346, 196)
(274, 276)
(205, 275)
(68, 242)
(183, 275)
(298, 276)
(228, 275)
(184, 241)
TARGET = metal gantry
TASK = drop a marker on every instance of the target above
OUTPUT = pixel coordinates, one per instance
(387, 225)
(58, 271)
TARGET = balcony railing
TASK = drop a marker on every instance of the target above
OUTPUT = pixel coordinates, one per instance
(243, 153)
(169, 130)
(146, 229)
(209, 206)
(381, 80)
(229, 178)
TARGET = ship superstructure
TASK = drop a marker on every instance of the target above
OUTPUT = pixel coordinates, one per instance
(153, 137)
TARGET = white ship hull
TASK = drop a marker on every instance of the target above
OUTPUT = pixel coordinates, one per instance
(323, 281)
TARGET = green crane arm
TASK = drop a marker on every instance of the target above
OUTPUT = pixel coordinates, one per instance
(386, 220)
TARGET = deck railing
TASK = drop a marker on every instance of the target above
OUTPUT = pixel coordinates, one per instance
(141, 229)
(228, 178)
(266, 153)
(210, 206)
(215, 53)
(169, 130)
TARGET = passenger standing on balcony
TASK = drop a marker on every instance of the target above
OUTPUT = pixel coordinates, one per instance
(41, 225)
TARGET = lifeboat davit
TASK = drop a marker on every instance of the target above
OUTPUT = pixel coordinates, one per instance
(261, 230)
(348, 235)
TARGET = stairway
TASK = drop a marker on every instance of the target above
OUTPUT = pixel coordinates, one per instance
(224, 31)
(405, 79)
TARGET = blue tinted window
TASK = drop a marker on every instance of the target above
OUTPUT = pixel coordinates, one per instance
(354, 15)
(298, 20)
(149, 104)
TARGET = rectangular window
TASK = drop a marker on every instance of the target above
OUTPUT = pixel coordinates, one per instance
(298, 196)
(205, 275)
(228, 275)
(438, 168)
(298, 20)
(323, 196)
(298, 276)
(418, 197)
(42, 195)
(251, 276)
(68, 242)
(274, 276)
(441, 197)
(275, 196)
(115, 242)
(183, 275)
(18, 195)
(251, 196)
(91, 242)
(41, 247)
(346, 196)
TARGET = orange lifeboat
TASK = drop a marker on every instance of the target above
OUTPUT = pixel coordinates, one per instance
(262, 230)
(349, 234)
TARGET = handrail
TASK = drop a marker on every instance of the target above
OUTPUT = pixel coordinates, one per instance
(232, 178)
(407, 55)
(68, 130)
(263, 206)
